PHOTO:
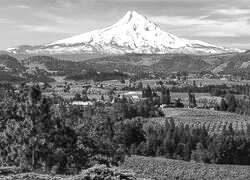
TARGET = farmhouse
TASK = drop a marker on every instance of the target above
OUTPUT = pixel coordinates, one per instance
(82, 103)
(135, 98)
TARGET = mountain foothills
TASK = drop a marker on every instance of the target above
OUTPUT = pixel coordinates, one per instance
(134, 33)
(42, 68)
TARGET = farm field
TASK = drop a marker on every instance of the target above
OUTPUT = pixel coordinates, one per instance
(59, 79)
(161, 168)
(214, 121)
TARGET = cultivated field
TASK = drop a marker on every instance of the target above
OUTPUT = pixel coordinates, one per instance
(161, 168)
(214, 121)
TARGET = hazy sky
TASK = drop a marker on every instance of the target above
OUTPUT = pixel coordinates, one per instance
(221, 22)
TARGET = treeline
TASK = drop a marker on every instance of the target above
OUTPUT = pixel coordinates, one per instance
(198, 89)
(150, 138)
(162, 97)
(230, 101)
(97, 76)
(235, 105)
(214, 90)
(241, 89)
(56, 66)
(10, 77)
(25, 77)
(241, 74)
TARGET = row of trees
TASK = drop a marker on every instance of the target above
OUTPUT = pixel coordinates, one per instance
(97, 76)
(235, 105)
(196, 89)
(182, 142)
(214, 90)
(163, 98)
(236, 90)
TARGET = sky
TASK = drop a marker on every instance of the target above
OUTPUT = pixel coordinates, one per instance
(220, 22)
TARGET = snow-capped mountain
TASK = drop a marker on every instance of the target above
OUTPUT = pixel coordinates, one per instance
(134, 33)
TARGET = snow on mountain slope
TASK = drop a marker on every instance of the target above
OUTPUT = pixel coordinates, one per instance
(134, 33)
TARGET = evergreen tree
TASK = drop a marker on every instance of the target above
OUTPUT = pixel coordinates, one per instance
(191, 99)
(223, 105)
(165, 97)
(77, 97)
(232, 104)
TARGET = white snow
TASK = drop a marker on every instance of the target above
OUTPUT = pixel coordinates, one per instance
(81, 103)
(12, 50)
(134, 33)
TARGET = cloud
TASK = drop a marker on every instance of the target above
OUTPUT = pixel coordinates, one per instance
(23, 6)
(216, 34)
(6, 21)
(206, 26)
(224, 29)
(182, 20)
(51, 29)
(63, 20)
(233, 11)
(127, 0)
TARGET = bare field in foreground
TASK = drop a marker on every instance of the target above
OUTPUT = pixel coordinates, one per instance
(161, 168)
(213, 121)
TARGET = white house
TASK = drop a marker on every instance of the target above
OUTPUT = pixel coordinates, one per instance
(81, 103)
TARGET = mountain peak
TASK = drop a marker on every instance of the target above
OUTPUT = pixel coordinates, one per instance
(134, 33)
(133, 17)
(133, 14)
